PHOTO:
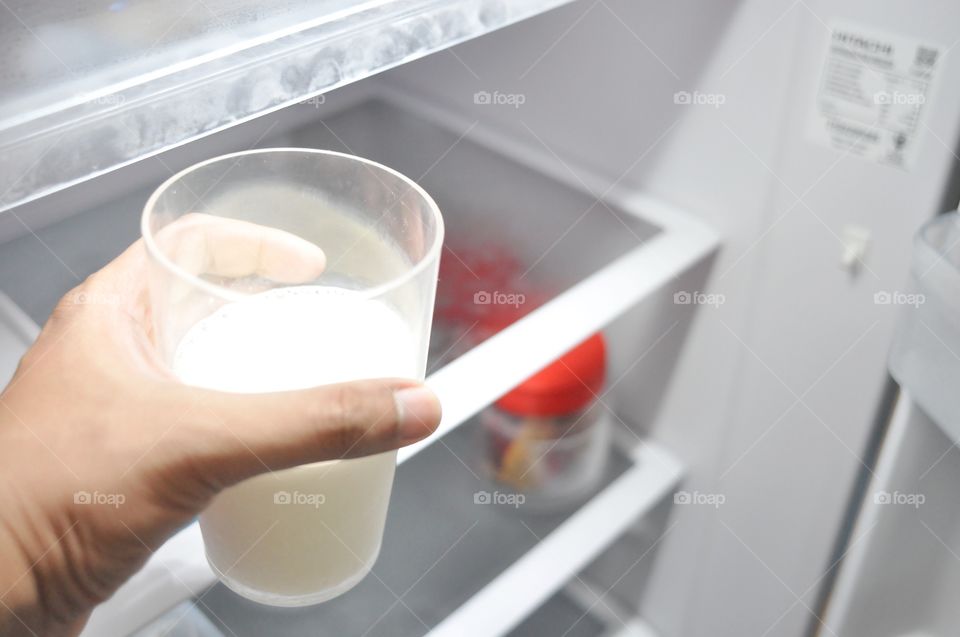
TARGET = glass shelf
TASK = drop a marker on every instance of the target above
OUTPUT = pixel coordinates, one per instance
(88, 87)
(427, 572)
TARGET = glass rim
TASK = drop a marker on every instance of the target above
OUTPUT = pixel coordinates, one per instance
(431, 255)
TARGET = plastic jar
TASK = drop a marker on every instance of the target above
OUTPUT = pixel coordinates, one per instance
(549, 438)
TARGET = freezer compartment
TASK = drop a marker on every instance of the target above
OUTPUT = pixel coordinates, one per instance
(148, 76)
(460, 554)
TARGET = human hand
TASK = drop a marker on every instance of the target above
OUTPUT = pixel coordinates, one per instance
(93, 409)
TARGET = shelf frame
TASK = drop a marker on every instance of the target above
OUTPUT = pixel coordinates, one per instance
(513, 595)
(478, 377)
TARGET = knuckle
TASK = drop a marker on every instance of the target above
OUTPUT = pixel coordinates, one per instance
(70, 302)
(342, 407)
(348, 418)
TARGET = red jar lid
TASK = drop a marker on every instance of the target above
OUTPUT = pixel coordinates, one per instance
(567, 385)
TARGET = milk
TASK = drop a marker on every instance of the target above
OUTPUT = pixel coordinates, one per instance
(302, 535)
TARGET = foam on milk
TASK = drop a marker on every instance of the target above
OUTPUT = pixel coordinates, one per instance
(306, 534)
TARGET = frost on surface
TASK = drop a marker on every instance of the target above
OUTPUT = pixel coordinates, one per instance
(215, 79)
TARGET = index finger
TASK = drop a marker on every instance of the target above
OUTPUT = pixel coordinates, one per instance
(220, 246)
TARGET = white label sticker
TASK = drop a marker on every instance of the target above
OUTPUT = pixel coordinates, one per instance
(874, 91)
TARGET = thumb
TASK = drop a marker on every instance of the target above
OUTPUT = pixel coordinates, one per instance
(243, 435)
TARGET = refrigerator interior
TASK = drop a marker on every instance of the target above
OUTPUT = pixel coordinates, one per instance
(624, 252)
(743, 423)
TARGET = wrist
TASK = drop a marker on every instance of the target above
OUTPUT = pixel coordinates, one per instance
(19, 611)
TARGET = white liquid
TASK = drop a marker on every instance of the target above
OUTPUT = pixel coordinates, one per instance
(307, 534)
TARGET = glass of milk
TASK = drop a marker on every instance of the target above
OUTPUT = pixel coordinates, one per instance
(282, 269)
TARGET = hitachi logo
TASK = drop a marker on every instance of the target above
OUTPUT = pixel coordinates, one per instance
(860, 42)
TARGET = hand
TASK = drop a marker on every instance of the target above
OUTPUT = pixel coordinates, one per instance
(93, 414)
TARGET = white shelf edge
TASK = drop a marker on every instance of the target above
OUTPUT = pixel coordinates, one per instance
(544, 569)
(480, 376)
(634, 628)
(177, 571)
(617, 620)
(855, 560)
(17, 332)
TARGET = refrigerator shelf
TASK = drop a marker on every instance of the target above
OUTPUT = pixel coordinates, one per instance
(545, 568)
(484, 570)
(478, 377)
(513, 563)
(614, 620)
(87, 90)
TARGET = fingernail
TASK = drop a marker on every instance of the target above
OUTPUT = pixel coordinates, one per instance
(418, 413)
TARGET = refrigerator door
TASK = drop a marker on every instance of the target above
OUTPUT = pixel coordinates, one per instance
(901, 563)
(900, 568)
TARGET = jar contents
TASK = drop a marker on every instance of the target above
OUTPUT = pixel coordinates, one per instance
(549, 437)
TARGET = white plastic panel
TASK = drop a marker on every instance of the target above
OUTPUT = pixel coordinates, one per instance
(17, 332)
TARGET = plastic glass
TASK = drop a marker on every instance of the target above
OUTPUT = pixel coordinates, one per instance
(307, 534)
